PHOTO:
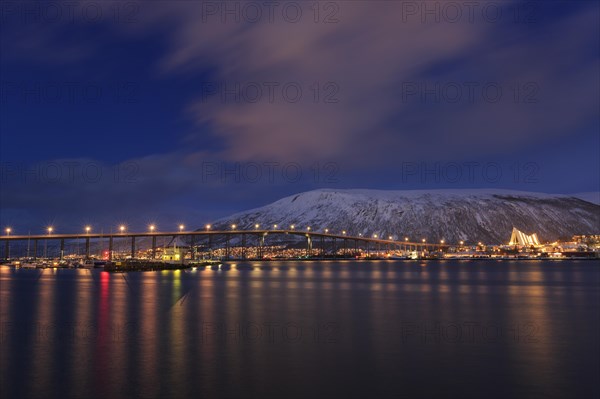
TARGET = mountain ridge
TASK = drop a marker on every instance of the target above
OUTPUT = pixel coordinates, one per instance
(470, 215)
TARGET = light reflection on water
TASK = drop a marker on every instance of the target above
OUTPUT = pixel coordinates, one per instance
(300, 329)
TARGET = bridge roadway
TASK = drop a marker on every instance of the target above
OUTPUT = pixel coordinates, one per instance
(310, 235)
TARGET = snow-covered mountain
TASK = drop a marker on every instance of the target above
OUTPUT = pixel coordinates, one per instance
(593, 197)
(452, 215)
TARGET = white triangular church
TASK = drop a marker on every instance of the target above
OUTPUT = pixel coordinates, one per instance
(520, 238)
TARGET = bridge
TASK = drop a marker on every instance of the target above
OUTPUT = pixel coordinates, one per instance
(246, 238)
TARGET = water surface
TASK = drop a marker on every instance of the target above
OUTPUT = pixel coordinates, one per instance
(493, 329)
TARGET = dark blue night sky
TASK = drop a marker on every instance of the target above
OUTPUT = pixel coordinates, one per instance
(184, 112)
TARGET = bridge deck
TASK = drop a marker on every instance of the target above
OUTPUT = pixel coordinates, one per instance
(304, 233)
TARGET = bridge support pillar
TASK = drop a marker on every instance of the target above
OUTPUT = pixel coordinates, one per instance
(153, 247)
(227, 246)
(243, 246)
(7, 249)
(110, 248)
(334, 248)
(308, 245)
(322, 247)
(35, 249)
(62, 248)
(261, 245)
(87, 247)
(193, 246)
(132, 247)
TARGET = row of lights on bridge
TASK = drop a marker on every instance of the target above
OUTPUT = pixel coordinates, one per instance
(88, 229)
(152, 228)
(293, 227)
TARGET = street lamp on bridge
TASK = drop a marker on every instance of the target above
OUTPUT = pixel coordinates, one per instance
(152, 228)
(122, 228)
(181, 227)
(8, 230)
(88, 229)
(50, 229)
(207, 227)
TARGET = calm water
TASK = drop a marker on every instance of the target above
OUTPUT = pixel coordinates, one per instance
(332, 329)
